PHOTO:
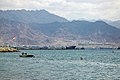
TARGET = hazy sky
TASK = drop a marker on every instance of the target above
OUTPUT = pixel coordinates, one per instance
(70, 9)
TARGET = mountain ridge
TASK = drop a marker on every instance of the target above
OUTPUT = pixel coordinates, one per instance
(79, 28)
(57, 31)
(29, 16)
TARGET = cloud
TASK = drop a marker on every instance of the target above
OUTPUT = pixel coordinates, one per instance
(88, 1)
(70, 9)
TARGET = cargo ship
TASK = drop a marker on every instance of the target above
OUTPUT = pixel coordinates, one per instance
(70, 47)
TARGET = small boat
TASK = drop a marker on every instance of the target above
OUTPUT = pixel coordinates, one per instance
(26, 55)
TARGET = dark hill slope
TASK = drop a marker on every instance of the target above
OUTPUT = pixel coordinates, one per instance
(98, 30)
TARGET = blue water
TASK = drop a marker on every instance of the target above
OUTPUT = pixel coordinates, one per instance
(61, 65)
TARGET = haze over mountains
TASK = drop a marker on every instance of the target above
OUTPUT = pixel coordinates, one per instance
(114, 23)
(42, 27)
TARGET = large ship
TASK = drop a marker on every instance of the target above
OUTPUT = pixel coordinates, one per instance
(70, 47)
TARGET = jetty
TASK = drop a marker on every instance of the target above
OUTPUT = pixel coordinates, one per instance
(8, 49)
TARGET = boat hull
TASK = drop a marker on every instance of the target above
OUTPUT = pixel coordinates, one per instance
(70, 47)
(26, 55)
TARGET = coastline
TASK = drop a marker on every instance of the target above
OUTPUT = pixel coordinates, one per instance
(17, 49)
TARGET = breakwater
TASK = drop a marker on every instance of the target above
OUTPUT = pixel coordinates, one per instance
(8, 49)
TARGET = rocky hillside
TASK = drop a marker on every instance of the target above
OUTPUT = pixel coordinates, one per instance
(23, 33)
(96, 31)
(42, 27)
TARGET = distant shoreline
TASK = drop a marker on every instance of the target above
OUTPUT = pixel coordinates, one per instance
(18, 49)
(72, 49)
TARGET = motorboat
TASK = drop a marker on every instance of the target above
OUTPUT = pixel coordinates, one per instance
(26, 55)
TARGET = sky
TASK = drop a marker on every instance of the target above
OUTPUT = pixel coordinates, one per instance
(69, 9)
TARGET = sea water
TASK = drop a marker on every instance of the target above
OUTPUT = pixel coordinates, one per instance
(97, 64)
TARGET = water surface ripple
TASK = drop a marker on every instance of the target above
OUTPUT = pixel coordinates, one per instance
(61, 65)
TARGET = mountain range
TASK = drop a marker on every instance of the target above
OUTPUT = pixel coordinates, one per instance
(43, 28)
(38, 16)
(114, 23)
